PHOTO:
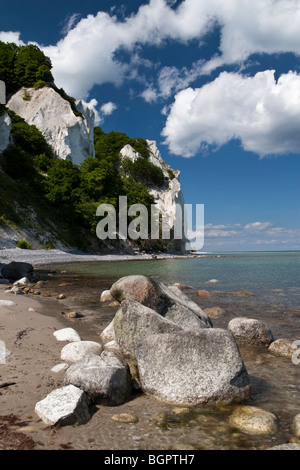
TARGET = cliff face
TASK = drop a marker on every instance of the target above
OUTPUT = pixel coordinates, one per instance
(167, 197)
(70, 136)
(5, 128)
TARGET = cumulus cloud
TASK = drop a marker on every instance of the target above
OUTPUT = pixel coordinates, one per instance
(253, 235)
(260, 111)
(11, 36)
(108, 108)
(88, 53)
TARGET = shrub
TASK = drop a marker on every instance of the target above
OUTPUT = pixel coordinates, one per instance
(23, 244)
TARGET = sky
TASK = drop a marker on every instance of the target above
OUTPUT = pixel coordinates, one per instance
(216, 83)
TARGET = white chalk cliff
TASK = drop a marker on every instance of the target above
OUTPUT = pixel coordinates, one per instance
(71, 137)
(167, 198)
(5, 128)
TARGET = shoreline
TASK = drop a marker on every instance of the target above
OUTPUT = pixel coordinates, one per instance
(41, 258)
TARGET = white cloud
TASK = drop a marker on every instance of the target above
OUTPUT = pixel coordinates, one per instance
(258, 226)
(248, 236)
(88, 54)
(11, 36)
(262, 113)
(108, 108)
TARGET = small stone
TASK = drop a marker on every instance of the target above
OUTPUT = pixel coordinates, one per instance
(22, 282)
(67, 334)
(14, 290)
(7, 303)
(288, 446)
(4, 353)
(253, 420)
(214, 312)
(112, 346)
(39, 284)
(63, 406)
(106, 296)
(59, 367)
(296, 425)
(242, 293)
(76, 351)
(212, 281)
(72, 314)
(61, 296)
(180, 411)
(281, 347)
(114, 303)
(125, 418)
(203, 293)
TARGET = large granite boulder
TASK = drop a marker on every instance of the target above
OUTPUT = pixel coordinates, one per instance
(64, 406)
(17, 270)
(105, 379)
(186, 369)
(132, 322)
(155, 295)
(250, 331)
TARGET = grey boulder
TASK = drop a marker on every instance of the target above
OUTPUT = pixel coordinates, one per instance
(132, 322)
(156, 296)
(64, 406)
(17, 270)
(187, 369)
(105, 379)
(250, 331)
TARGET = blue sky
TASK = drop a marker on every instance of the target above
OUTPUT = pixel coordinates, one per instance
(216, 83)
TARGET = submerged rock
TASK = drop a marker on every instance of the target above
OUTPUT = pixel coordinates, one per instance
(214, 312)
(281, 347)
(187, 369)
(203, 293)
(250, 331)
(253, 420)
(64, 406)
(105, 379)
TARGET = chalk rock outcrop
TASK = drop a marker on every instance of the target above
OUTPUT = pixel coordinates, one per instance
(5, 129)
(169, 198)
(70, 136)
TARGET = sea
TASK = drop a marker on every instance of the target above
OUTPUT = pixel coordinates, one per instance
(261, 285)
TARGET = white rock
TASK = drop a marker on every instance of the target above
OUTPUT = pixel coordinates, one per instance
(14, 290)
(112, 346)
(22, 282)
(4, 353)
(76, 351)
(5, 129)
(108, 334)
(67, 334)
(59, 367)
(63, 406)
(106, 296)
(70, 136)
(7, 303)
